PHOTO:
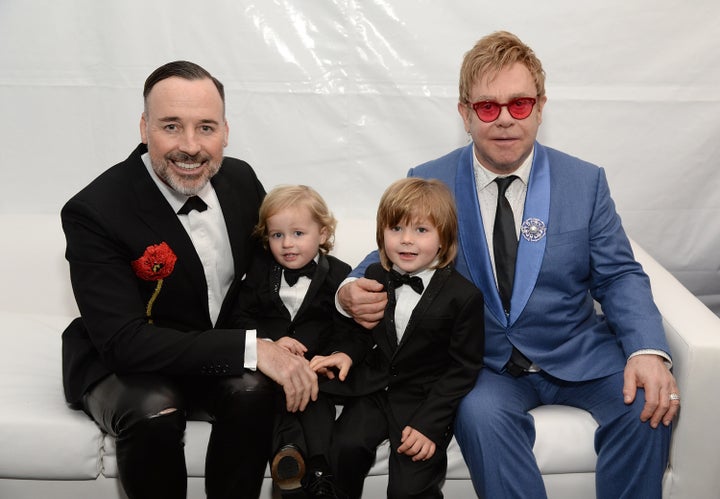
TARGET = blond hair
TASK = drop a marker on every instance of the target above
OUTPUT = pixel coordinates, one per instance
(413, 198)
(494, 52)
(296, 196)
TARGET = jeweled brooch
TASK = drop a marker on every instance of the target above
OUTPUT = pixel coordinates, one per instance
(533, 229)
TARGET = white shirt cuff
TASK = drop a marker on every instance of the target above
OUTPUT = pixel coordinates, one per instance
(650, 351)
(337, 302)
(250, 361)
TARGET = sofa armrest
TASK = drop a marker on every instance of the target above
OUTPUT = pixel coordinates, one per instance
(693, 333)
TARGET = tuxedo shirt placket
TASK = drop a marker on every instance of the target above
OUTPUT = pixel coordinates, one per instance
(406, 299)
(293, 296)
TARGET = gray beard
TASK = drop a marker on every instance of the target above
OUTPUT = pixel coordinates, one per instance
(188, 188)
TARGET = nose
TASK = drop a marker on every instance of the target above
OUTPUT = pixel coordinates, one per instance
(505, 118)
(189, 143)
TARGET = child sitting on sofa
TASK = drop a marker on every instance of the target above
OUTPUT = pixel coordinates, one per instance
(288, 296)
(427, 351)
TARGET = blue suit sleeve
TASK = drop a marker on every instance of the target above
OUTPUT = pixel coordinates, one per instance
(371, 258)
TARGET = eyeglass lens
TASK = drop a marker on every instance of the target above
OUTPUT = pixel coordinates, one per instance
(519, 109)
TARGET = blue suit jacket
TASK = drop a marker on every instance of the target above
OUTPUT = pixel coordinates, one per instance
(584, 255)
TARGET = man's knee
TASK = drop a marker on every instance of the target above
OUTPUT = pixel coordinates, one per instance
(164, 428)
(249, 383)
(478, 412)
(252, 395)
(142, 405)
(118, 403)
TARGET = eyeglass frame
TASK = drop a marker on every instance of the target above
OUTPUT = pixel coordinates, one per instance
(475, 105)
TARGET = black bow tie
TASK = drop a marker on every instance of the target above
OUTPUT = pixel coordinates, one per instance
(193, 203)
(292, 275)
(413, 281)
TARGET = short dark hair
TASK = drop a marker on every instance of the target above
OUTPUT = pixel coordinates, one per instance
(182, 69)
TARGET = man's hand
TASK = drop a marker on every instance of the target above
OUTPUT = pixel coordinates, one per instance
(324, 365)
(290, 371)
(365, 300)
(416, 445)
(291, 345)
(648, 371)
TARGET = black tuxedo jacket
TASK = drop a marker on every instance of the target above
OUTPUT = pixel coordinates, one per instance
(109, 224)
(317, 325)
(437, 360)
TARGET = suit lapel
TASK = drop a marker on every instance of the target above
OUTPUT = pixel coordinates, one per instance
(159, 216)
(276, 275)
(471, 235)
(391, 344)
(428, 297)
(231, 209)
(321, 272)
(530, 253)
(237, 223)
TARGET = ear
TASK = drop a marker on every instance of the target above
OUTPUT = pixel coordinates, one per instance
(540, 105)
(227, 134)
(323, 235)
(143, 129)
(465, 114)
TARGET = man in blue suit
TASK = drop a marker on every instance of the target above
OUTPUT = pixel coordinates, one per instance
(545, 343)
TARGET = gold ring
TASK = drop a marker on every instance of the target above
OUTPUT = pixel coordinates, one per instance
(674, 396)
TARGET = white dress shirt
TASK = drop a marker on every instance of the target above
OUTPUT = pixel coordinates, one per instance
(406, 299)
(293, 296)
(209, 235)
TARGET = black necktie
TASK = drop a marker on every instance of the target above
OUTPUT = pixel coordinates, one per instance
(505, 245)
(504, 242)
(292, 275)
(193, 203)
(413, 281)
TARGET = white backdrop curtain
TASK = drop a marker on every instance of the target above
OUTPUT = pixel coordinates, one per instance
(346, 95)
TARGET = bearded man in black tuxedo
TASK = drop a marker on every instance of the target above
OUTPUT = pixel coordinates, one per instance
(157, 245)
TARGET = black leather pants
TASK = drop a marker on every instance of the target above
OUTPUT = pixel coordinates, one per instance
(146, 413)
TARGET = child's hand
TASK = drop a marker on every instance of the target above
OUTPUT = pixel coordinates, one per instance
(416, 445)
(324, 365)
(292, 345)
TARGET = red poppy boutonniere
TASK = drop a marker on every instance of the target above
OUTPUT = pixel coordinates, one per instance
(155, 264)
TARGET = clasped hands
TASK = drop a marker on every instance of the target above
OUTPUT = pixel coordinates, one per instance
(284, 362)
(414, 444)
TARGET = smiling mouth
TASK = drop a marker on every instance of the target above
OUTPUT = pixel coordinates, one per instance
(187, 166)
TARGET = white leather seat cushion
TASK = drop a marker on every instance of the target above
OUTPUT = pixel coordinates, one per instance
(40, 436)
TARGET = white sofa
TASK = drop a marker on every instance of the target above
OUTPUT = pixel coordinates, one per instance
(47, 449)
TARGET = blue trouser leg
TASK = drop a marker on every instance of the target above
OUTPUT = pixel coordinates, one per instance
(632, 456)
(496, 435)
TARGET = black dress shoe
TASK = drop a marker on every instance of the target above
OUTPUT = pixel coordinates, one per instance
(288, 468)
(321, 485)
